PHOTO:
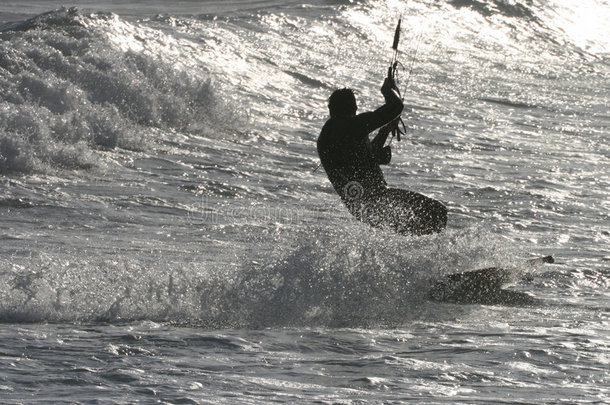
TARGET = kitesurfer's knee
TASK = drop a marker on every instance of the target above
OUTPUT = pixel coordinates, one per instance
(437, 216)
(430, 216)
(406, 212)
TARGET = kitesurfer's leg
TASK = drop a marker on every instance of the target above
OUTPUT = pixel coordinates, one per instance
(369, 210)
(403, 211)
(414, 213)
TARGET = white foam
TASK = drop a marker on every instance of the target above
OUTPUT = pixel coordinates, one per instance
(70, 87)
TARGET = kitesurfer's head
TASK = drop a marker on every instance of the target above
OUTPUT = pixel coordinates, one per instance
(342, 103)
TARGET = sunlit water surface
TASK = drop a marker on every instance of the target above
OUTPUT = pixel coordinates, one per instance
(166, 237)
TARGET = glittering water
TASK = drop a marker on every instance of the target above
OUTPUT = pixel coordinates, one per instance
(165, 237)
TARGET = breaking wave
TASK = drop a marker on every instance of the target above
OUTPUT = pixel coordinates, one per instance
(73, 83)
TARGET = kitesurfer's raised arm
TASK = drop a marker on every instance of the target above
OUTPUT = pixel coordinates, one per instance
(385, 114)
(394, 106)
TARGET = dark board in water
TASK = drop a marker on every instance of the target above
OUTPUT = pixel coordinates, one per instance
(484, 286)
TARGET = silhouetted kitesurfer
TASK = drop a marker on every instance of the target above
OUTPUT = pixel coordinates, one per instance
(352, 161)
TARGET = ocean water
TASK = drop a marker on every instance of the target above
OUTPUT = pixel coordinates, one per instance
(165, 237)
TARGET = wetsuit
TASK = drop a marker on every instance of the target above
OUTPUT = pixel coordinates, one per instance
(351, 162)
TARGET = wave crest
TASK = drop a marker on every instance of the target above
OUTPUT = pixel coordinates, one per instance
(68, 78)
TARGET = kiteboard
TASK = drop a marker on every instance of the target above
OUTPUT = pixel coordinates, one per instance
(485, 286)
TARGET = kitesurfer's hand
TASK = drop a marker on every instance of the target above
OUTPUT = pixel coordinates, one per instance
(388, 84)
